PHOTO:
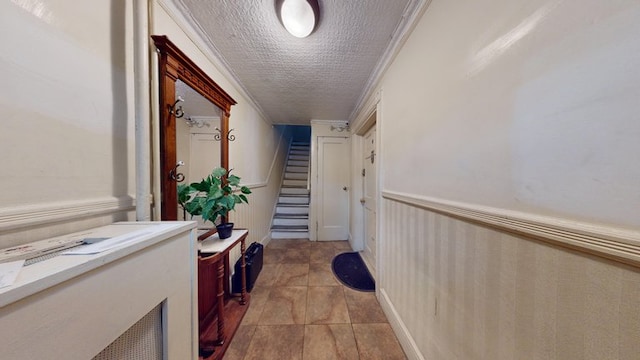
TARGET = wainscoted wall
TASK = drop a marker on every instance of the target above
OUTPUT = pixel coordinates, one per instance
(509, 202)
(456, 289)
(67, 128)
(22, 224)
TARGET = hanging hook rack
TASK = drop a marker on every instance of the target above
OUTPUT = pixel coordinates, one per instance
(340, 128)
(229, 136)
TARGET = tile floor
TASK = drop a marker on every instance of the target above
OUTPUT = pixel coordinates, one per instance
(300, 311)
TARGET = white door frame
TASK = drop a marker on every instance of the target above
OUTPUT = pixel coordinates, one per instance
(320, 128)
(373, 117)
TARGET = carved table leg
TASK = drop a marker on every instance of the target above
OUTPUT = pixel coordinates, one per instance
(243, 275)
(220, 340)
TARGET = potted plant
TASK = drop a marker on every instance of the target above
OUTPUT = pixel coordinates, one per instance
(213, 198)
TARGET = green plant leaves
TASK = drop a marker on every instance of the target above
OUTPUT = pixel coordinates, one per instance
(219, 172)
(210, 198)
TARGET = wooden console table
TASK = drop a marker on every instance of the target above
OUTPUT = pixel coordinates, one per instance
(219, 311)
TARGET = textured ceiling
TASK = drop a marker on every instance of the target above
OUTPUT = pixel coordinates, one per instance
(295, 80)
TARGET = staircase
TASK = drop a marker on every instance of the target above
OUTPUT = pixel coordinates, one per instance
(291, 220)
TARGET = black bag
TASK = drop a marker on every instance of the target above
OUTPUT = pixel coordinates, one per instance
(253, 266)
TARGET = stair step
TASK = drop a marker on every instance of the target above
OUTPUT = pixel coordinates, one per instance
(299, 143)
(299, 157)
(290, 222)
(290, 216)
(294, 182)
(295, 176)
(289, 235)
(301, 195)
(293, 205)
(290, 228)
(293, 200)
(285, 190)
(288, 209)
(299, 152)
(297, 169)
(304, 163)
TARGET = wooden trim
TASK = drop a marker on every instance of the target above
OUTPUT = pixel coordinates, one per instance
(619, 244)
(175, 65)
(180, 66)
(39, 214)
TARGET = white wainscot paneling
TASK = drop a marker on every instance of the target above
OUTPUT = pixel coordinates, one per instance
(455, 287)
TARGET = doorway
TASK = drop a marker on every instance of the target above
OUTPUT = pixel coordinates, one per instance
(369, 197)
(333, 188)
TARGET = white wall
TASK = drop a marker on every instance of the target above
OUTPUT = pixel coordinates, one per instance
(67, 117)
(533, 102)
(518, 115)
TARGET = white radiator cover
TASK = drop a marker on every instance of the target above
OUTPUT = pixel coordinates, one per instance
(142, 341)
(73, 307)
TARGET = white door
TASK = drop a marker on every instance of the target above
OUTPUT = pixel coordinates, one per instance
(333, 191)
(369, 198)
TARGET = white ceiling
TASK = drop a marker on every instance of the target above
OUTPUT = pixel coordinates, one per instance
(292, 80)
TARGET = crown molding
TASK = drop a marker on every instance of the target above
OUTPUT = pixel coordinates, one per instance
(412, 14)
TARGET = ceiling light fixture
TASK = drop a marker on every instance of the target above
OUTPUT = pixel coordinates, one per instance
(299, 17)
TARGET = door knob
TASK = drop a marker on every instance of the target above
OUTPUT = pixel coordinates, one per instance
(344, 188)
(362, 201)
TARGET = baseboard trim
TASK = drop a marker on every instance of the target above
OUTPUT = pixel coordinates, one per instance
(402, 333)
(266, 239)
(40, 214)
(613, 243)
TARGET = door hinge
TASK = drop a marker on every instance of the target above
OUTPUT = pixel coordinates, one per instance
(363, 172)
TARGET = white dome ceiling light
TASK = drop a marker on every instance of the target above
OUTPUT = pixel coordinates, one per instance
(299, 17)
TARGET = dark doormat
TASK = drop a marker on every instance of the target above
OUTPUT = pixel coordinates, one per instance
(352, 272)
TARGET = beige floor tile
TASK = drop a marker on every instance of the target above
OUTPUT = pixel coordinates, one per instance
(273, 256)
(267, 275)
(259, 297)
(323, 245)
(326, 305)
(322, 254)
(292, 275)
(296, 287)
(363, 307)
(240, 343)
(324, 342)
(377, 341)
(320, 274)
(289, 244)
(276, 342)
(285, 305)
(343, 246)
(296, 256)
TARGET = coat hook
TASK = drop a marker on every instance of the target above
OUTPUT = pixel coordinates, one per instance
(178, 112)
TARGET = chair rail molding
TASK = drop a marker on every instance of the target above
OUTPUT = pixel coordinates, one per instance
(38, 214)
(610, 242)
